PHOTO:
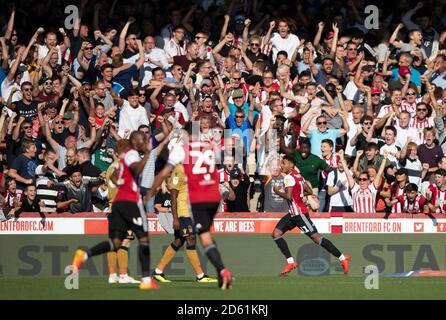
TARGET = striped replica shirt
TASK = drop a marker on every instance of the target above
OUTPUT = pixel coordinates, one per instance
(396, 191)
(297, 182)
(46, 191)
(415, 206)
(420, 125)
(364, 200)
(389, 108)
(332, 161)
(438, 198)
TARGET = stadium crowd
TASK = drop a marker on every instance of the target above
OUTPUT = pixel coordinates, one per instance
(361, 110)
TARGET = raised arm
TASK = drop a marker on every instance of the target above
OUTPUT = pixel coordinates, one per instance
(66, 40)
(335, 39)
(394, 35)
(224, 29)
(350, 179)
(267, 37)
(377, 180)
(154, 104)
(318, 36)
(142, 58)
(123, 34)
(53, 143)
(224, 103)
(10, 27)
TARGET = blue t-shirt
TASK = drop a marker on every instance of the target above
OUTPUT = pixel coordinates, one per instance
(233, 109)
(415, 76)
(316, 138)
(245, 130)
(124, 78)
(2, 77)
(25, 167)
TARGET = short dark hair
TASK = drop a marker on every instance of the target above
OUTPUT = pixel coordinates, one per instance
(365, 118)
(290, 158)
(328, 141)
(391, 128)
(283, 53)
(372, 145)
(73, 169)
(441, 172)
(411, 187)
(106, 66)
(134, 92)
(157, 69)
(26, 83)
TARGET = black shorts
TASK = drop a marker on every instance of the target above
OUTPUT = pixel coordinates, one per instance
(130, 234)
(187, 227)
(127, 216)
(303, 222)
(203, 215)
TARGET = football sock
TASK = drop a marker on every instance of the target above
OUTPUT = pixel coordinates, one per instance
(214, 257)
(342, 257)
(167, 257)
(112, 259)
(330, 247)
(283, 246)
(123, 259)
(144, 259)
(290, 260)
(100, 248)
(194, 260)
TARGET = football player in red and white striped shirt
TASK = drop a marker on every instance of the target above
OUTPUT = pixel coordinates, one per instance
(436, 193)
(411, 201)
(296, 190)
(364, 193)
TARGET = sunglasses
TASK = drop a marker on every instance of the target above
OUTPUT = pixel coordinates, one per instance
(255, 44)
(237, 79)
(143, 94)
(367, 123)
(88, 48)
(422, 109)
(58, 122)
(48, 83)
(323, 122)
(27, 90)
(376, 95)
(363, 179)
(26, 127)
(239, 117)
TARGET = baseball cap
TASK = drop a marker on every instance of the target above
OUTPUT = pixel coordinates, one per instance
(68, 116)
(238, 94)
(205, 82)
(403, 71)
(239, 19)
(329, 35)
(375, 90)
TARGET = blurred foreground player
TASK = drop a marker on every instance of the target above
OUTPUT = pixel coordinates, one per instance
(184, 229)
(294, 193)
(128, 211)
(121, 256)
(198, 159)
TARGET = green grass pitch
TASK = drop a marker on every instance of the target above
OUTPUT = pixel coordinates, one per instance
(250, 288)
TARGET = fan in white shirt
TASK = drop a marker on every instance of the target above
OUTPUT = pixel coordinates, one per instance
(283, 40)
(132, 114)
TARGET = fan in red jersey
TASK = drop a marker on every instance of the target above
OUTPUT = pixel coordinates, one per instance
(296, 190)
(436, 193)
(411, 201)
(198, 159)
